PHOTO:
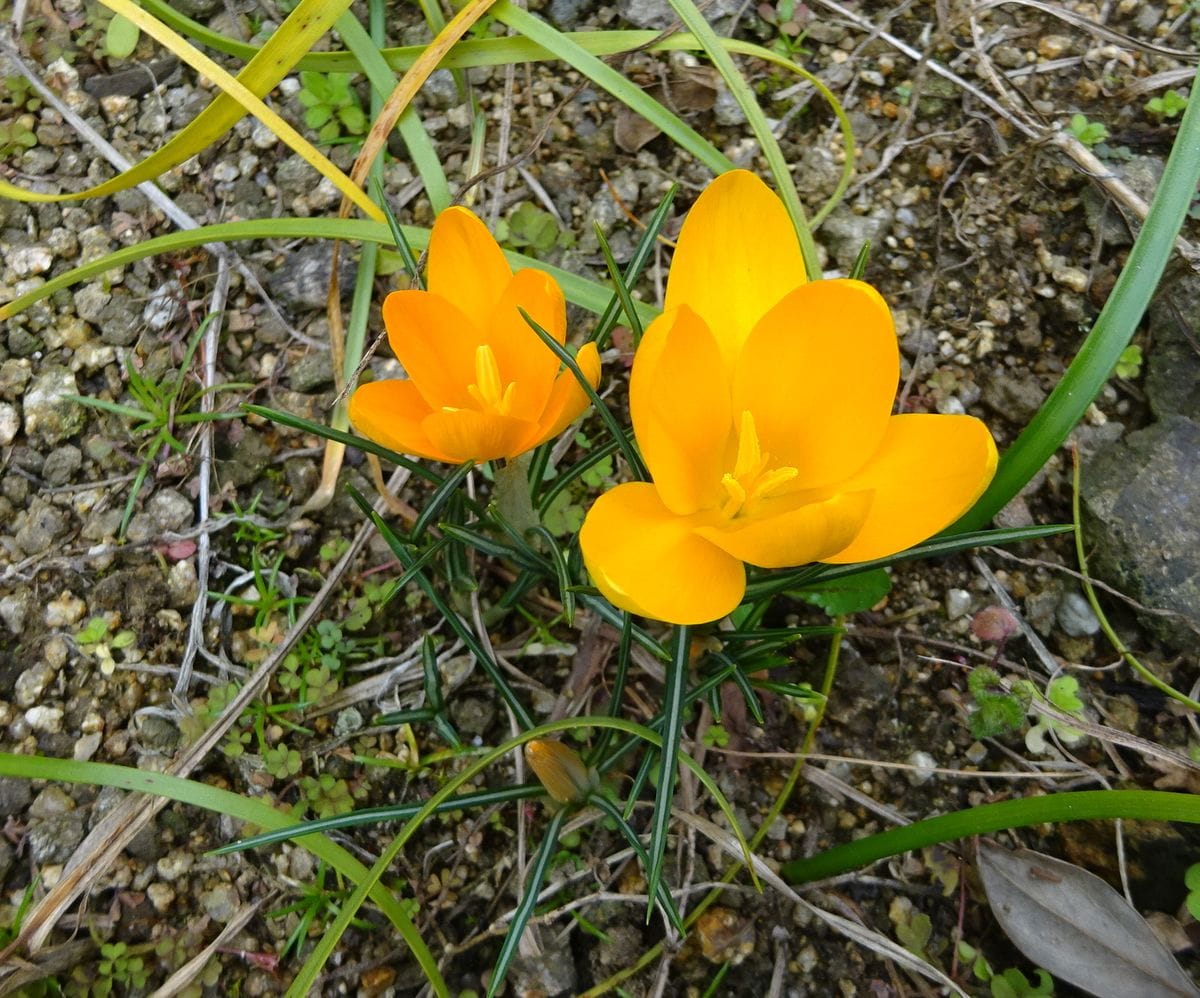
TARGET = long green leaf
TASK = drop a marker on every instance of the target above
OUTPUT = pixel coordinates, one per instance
(672, 735)
(589, 295)
(1114, 328)
(1083, 805)
(33, 767)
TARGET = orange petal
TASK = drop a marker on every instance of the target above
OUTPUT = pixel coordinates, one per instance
(390, 413)
(737, 256)
(649, 561)
(567, 399)
(819, 373)
(466, 265)
(775, 536)
(679, 402)
(468, 435)
(928, 471)
(435, 342)
(522, 357)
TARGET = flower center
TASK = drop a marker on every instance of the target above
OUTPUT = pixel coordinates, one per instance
(489, 391)
(752, 477)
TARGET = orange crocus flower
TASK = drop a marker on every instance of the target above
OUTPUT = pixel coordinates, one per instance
(762, 405)
(480, 384)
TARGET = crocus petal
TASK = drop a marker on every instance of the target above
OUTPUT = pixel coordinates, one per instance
(737, 256)
(435, 342)
(679, 402)
(466, 265)
(522, 357)
(467, 435)
(391, 413)
(567, 399)
(927, 472)
(776, 536)
(649, 561)
(819, 374)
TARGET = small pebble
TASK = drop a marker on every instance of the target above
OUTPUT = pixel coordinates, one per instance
(958, 602)
(924, 765)
(1075, 615)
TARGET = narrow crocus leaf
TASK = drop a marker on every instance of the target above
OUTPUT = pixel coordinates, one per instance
(672, 736)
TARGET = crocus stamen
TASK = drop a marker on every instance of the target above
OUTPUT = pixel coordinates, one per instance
(489, 391)
(750, 480)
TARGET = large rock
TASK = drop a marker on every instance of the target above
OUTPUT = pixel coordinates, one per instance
(1141, 501)
(1173, 364)
(658, 14)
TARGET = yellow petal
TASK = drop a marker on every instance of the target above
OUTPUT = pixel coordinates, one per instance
(390, 413)
(737, 256)
(819, 373)
(567, 399)
(522, 356)
(780, 534)
(467, 435)
(466, 265)
(679, 402)
(436, 343)
(928, 471)
(649, 561)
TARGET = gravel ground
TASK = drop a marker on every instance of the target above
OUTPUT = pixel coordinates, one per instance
(994, 238)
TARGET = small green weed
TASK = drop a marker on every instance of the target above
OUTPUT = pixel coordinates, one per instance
(1087, 132)
(533, 229)
(94, 639)
(1170, 105)
(1129, 364)
(1009, 983)
(331, 106)
(790, 20)
(159, 409)
(997, 711)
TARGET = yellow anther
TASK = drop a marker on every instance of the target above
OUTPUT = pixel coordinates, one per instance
(489, 391)
(750, 479)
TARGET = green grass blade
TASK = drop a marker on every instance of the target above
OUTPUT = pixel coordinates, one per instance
(439, 499)
(589, 295)
(621, 288)
(533, 887)
(482, 657)
(632, 457)
(416, 140)
(341, 436)
(637, 263)
(632, 96)
(1114, 328)
(695, 22)
(663, 897)
(937, 547)
(1083, 805)
(672, 736)
(197, 794)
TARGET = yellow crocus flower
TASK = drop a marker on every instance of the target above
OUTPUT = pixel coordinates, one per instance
(480, 384)
(762, 404)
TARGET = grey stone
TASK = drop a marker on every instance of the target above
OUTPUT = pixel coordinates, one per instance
(1173, 365)
(567, 14)
(472, 716)
(14, 376)
(15, 796)
(43, 525)
(61, 464)
(119, 321)
(49, 415)
(1076, 616)
(54, 839)
(171, 510)
(10, 423)
(51, 801)
(14, 609)
(310, 372)
(1141, 504)
(658, 14)
(844, 232)
(303, 280)
(958, 602)
(1015, 395)
(221, 902)
(1141, 174)
(164, 306)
